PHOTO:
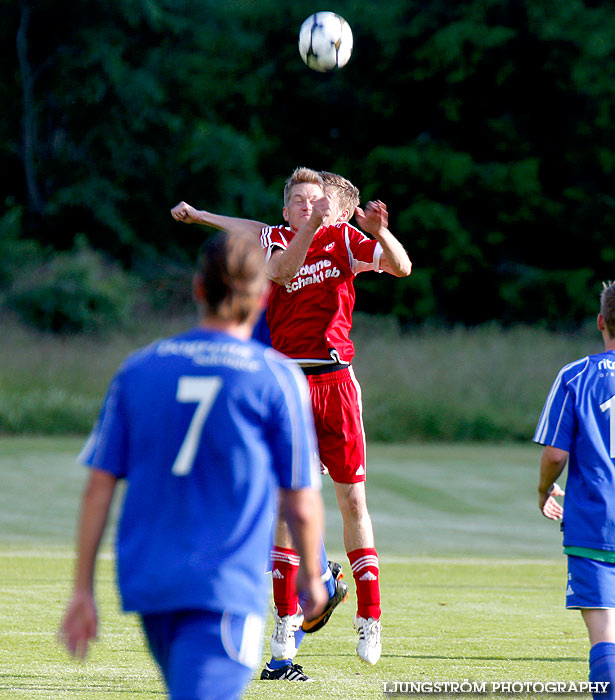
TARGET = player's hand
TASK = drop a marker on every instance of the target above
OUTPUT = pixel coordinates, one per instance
(314, 597)
(79, 624)
(374, 218)
(185, 213)
(547, 504)
(321, 211)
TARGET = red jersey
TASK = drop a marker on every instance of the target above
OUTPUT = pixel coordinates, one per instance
(310, 317)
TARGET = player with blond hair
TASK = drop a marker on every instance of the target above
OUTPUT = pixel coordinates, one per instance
(344, 193)
(313, 263)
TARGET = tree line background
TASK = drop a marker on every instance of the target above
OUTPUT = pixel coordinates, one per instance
(485, 125)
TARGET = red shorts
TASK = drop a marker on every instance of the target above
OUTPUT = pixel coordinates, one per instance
(338, 415)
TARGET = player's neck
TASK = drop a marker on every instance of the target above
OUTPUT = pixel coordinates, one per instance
(243, 331)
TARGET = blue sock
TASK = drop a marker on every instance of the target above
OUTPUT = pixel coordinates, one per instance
(299, 635)
(275, 665)
(325, 571)
(602, 668)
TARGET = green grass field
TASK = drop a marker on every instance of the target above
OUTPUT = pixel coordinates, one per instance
(472, 581)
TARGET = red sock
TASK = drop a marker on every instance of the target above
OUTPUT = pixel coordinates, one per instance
(364, 564)
(284, 568)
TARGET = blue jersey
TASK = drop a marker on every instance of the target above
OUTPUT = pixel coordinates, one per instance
(203, 427)
(261, 330)
(579, 417)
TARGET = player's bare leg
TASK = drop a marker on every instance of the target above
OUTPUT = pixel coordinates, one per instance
(600, 624)
(282, 537)
(359, 544)
(352, 502)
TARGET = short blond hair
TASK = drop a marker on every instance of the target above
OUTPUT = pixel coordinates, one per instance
(299, 177)
(607, 306)
(345, 193)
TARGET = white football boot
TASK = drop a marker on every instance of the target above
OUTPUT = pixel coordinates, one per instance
(283, 637)
(369, 646)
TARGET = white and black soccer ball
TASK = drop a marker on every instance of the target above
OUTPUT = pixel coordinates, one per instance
(325, 41)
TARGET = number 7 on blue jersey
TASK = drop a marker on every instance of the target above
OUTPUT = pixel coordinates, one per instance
(604, 407)
(203, 392)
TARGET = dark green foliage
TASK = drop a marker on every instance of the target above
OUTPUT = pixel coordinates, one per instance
(14, 251)
(73, 291)
(485, 125)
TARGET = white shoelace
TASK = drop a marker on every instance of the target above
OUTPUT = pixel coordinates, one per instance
(286, 627)
(370, 632)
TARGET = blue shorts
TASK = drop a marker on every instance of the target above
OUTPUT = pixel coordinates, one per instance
(204, 655)
(591, 583)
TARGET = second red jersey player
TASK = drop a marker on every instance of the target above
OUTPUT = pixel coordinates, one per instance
(309, 314)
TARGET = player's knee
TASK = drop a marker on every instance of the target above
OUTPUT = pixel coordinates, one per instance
(353, 505)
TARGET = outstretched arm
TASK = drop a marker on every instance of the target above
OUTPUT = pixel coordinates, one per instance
(231, 224)
(375, 220)
(552, 463)
(80, 621)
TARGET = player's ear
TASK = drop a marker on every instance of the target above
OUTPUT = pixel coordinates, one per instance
(601, 323)
(285, 213)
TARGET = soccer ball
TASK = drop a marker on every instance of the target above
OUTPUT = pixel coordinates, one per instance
(325, 41)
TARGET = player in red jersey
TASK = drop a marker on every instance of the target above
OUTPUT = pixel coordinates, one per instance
(309, 314)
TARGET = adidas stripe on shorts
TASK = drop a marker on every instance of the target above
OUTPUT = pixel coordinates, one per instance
(590, 584)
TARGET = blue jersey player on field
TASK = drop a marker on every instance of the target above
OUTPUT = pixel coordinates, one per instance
(577, 426)
(204, 427)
